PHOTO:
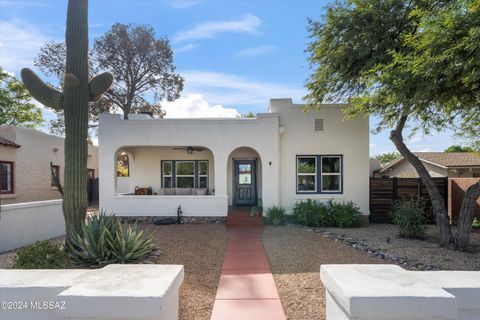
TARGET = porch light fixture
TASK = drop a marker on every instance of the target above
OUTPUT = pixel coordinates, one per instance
(189, 150)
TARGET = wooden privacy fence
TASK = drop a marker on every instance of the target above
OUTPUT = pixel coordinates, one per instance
(385, 191)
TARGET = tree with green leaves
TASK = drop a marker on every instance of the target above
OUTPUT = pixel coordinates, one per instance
(141, 63)
(409, 63)
(387, 157)
(457, 148)
(249, 114)
(15, 106)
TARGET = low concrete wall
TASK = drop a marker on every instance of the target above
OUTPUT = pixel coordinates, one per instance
(166, 206)
(390, 292)
(120, 292)
(456, 190)
(25, 223)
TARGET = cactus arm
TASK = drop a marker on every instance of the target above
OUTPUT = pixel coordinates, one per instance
(99, 85)
(71, 81)
(42, 91)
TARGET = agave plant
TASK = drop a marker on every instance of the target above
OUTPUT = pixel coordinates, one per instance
(106, 240)
(129, 244)
(91, 248)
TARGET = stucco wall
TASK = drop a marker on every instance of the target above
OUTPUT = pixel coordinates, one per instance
(220, 136)
(115, 292)
(349, 138)
(396, 293)
(403, 169)
(25, 223)
(32, 163)
(275, 138)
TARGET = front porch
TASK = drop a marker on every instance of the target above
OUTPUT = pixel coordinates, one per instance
(158, 180)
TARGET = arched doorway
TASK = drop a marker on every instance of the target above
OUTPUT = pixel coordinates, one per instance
(244, 177)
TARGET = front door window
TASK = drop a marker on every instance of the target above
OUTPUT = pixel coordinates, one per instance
(245, 173)
(245, 182)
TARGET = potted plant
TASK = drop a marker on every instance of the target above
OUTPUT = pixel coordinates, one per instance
(276, 214)
(258, 209)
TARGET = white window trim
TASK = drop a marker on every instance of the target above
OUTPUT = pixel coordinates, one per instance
(184, 175)
(307, 174)
(202, 175)
(331, 174)
(167, 175)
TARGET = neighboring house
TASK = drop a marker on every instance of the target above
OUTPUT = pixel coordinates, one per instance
(438, 164)
(206, 165)
(25, 157)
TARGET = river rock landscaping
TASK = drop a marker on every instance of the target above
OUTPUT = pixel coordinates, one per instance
(383, 242)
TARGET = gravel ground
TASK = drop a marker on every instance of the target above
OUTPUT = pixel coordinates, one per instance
(295, 257)
(422, 251)
(200, 248)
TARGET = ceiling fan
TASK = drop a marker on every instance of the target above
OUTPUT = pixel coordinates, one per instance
(189, 149)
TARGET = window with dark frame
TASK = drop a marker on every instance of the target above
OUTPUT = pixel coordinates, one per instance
(55, 169)
(184, 174)
(318, 174)
(6, 177)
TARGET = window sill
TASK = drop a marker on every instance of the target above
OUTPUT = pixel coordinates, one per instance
(8, 196)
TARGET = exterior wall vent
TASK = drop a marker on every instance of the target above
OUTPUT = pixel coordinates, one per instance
(318, 124)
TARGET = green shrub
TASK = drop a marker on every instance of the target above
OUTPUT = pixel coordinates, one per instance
(344, 214)
(476, 223)
(312, 213)
(106, 240)
(129, 244)
(409, 214)
(41, 255)
(276, 214)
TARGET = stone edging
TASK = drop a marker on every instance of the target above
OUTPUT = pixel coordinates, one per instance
(360, 245)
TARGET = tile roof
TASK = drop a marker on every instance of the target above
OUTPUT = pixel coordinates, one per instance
(451, 159)
(8, 143)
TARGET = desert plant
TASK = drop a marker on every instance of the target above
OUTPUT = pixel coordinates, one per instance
(258, 209)
(78, 90)
(276, 214)
(129, 244)
(409, 214)
(105, 240)
(41, 255)
(344, 214)
(90, 247)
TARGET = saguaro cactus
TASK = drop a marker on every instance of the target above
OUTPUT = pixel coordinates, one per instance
(77, 92)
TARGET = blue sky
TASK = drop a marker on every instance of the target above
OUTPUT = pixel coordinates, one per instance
(234, 55)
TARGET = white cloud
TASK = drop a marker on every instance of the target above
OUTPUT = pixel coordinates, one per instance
(185, 48)
(229, 89)
(256, 51)
(20, 42)
(194, 106)
(180, 4)
(207, 30)
(417, 137)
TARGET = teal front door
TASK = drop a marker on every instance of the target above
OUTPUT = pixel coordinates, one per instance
(245, 182)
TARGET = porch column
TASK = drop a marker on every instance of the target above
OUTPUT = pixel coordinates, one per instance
(220, 162)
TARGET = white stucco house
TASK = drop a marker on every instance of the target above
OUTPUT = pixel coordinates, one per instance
(207, 165)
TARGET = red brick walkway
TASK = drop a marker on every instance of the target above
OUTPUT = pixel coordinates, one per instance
(246, 290)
